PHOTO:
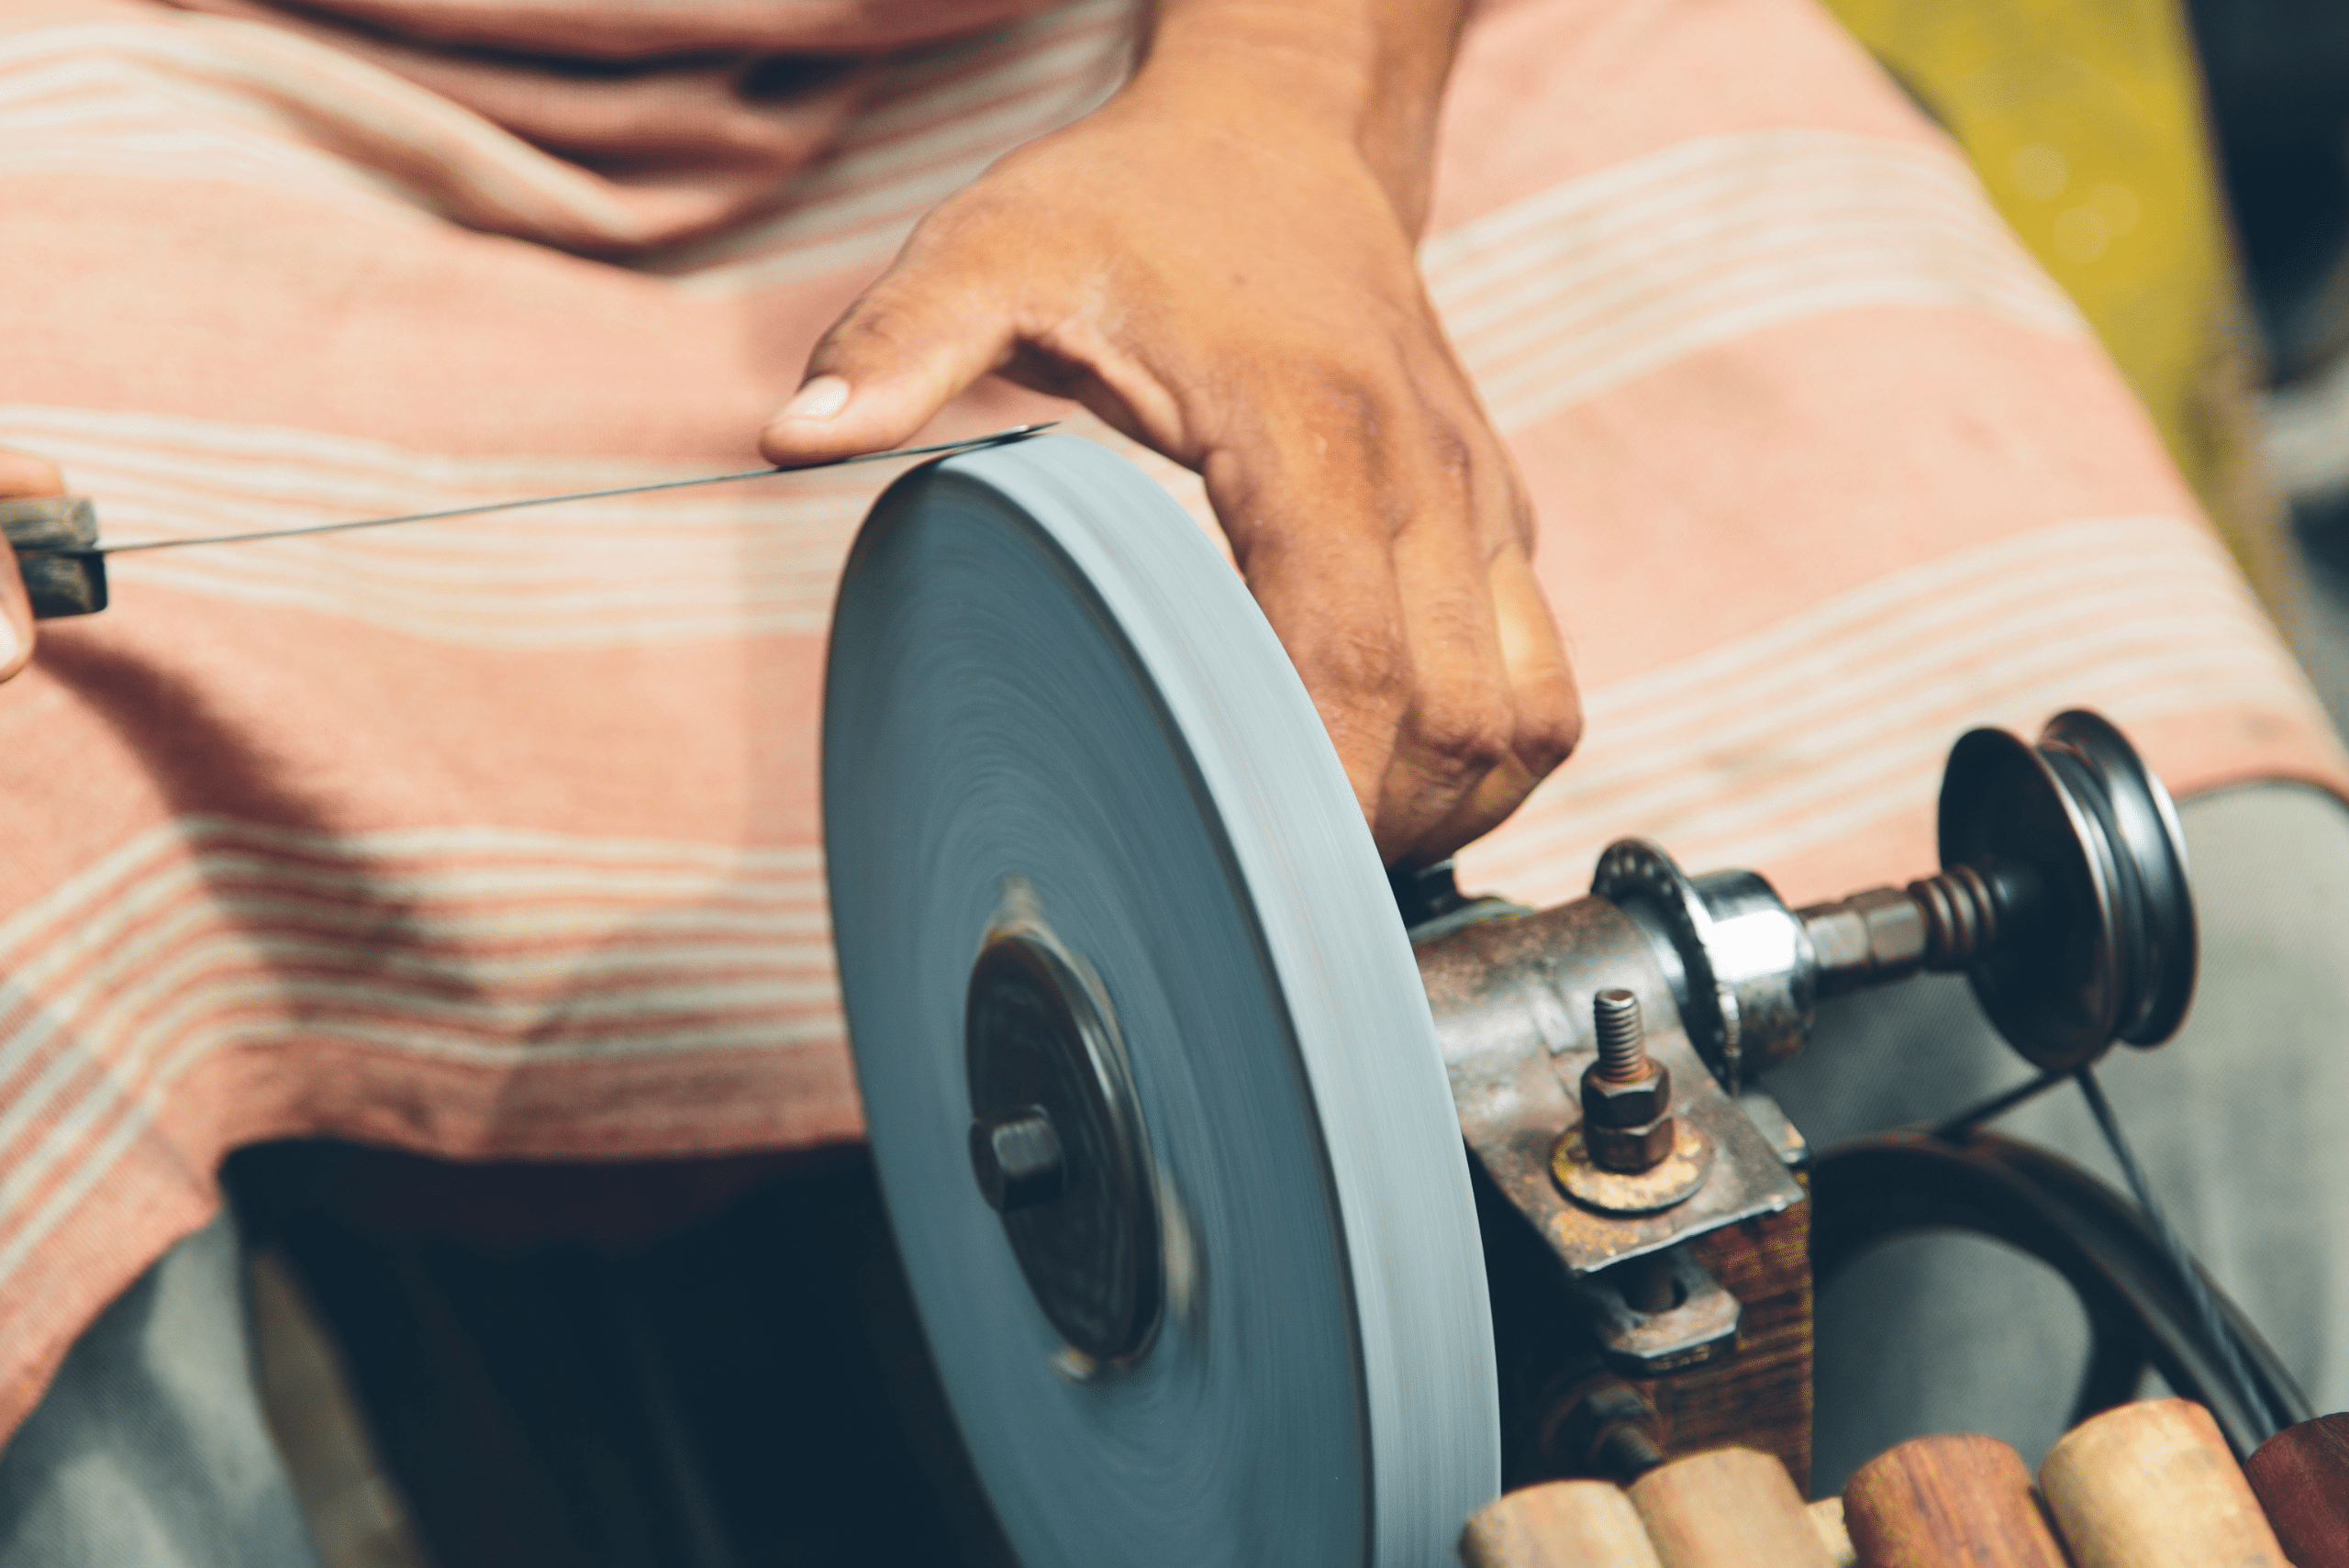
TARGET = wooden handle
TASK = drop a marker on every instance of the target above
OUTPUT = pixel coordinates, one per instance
(2301, 1477)
(2152, 1486)
(1561, 1524)
(1959, 1501)
(57, 585)
(1827, 1519)
(1728, 1508)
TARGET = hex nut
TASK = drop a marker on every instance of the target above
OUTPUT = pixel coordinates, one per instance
(1629, 1150)
(1016, 1155)
(1605, 1103)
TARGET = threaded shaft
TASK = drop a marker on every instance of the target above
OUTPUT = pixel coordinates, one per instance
(1626, 1452)
(1622, 1037)
(1961, 916)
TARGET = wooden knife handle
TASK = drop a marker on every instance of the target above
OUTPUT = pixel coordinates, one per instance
(2152, 1486)
(2301, 1477)
(1733, 1508)
(1563, 1524)
(1827, 1519)
(57, 585)
(1957, 1501)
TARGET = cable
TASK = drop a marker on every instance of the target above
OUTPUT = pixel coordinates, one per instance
(1965, 1121)
(2222, 1334)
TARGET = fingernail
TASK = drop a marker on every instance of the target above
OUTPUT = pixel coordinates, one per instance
(819, 399)
(12, 641)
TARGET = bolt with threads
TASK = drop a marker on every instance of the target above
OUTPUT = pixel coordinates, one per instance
(1626, 1094)
(1622, 1037)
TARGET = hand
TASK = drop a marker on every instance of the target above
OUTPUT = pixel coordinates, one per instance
(22, 476)
(1219, 264)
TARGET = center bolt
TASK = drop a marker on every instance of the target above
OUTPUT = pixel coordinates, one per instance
(1626, 1095)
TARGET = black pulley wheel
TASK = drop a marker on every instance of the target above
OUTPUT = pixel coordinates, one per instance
(2149, 849)
(2081, 848)
(1871, 1190)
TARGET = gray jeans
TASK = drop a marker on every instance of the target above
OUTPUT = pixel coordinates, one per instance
(2237, 1120)
(151, 1450)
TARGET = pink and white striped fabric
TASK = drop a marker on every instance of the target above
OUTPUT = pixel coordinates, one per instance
(500, 838)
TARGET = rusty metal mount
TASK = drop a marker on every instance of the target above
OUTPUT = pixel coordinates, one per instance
(1512, 1003)
(1672, 1181)
(1701, 1325)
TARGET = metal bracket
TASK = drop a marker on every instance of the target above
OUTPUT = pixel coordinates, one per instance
(1513, 1002)
(1700, 1326)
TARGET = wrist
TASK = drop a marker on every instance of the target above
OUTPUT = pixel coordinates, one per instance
(1368, 73)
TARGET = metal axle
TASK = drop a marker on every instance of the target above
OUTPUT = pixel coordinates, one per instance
(2061, 896)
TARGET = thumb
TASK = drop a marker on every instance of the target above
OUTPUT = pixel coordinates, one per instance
(22, 475)
(913, 341)
(16, 617)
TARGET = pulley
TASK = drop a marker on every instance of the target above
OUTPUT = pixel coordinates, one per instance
(2062, 898)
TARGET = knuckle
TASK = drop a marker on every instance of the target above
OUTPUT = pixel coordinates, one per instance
(1469, 726)
(874, 325)
(1454, 452)
(1373, 671)
(1549, 730)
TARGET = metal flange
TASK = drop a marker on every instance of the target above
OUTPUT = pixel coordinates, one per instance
(2079, 848)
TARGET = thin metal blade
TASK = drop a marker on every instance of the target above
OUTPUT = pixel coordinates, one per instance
(1015, 433)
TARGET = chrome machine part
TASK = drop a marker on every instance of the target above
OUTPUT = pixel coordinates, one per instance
(1738, 962)
(2064, 896)
(2108, 950)
(1516, 1003)
(1118, 956)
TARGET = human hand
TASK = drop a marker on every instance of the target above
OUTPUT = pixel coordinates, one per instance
(1219, 264)
(22, 476)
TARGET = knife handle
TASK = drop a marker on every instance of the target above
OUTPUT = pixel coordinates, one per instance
(57, 585)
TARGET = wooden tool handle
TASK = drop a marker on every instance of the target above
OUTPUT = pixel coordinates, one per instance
(1730, 1508)
(57, 585)
(1563, 1524)
(2152, 1486)
(1958, 1501)
(1827, 1519)
(2301, 1477)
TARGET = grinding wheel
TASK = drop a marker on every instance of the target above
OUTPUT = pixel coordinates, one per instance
(1155, 1098)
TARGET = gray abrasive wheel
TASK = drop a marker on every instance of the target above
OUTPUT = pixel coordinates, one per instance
(1119, 957)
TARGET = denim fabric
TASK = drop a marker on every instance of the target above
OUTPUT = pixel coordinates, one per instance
(2237, 1120)
(150, 1450)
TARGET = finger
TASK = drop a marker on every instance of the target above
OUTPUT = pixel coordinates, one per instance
(1315, 549)
(1547, 710)
(16, 617)
(935, 323)
(1365, 531)
(23, 475)
(1461, 727)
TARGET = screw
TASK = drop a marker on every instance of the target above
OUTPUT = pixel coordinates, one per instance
(1626, 1097)
(1626, 1451)
(1016, 1154)
(1622, 1037)
(1602, 1427)
(1961, 913)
